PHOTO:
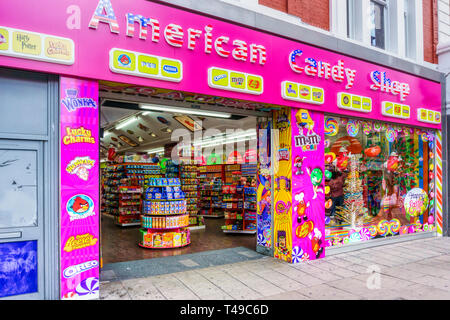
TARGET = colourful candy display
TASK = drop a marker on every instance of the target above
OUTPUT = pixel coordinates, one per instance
(331, 127)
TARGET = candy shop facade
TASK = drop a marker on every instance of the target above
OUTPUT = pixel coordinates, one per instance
(349, 151)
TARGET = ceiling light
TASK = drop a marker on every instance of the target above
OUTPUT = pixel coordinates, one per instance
(157, 150)
(196, 112)
(126, 123)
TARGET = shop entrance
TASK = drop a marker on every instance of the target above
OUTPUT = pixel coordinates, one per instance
(173, 181)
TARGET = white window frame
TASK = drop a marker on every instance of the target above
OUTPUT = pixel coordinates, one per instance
(394, 26)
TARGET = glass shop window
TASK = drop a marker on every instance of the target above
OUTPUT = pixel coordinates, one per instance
(377, 23)
(379, 180)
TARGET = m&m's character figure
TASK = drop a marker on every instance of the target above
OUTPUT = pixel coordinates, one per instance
(298, 163)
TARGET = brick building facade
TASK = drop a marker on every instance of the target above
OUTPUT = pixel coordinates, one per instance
(319, 14)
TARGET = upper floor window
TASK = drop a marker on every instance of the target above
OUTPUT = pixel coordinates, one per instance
(377, 28)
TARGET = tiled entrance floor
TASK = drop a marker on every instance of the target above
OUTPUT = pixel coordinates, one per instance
(121, 244)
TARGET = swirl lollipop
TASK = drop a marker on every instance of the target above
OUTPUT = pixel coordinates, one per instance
(352, 128)
(88, 287)
(364, 234)
(391, 134)
(297, 254)
(367, 128)
(377, 127)
(394, 226)
(382, 227)
(331, 127)
(424, 136)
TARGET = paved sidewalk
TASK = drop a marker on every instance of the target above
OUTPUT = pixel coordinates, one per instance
(418, 269)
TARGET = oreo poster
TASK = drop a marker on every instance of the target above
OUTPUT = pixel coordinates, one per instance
(79, 188)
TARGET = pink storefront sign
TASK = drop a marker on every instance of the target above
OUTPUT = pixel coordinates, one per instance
(149, 44)
(79, 219)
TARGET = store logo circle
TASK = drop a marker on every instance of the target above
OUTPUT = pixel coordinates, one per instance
(124, 60)
(80, 206)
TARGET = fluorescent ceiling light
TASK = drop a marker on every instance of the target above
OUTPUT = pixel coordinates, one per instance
(229, 138)
(126, 123)
(157, 150)
(196, 112)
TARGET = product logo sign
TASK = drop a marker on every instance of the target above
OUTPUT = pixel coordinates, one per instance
(4, 36)
(58, 48)
(72, 102)
(78, 135)
(72, 271)
(124, 60)
(26, 43)
(79, 207)
(170, 69)
(79, 242)
(283, 154)
(220, 77)
(80, 166)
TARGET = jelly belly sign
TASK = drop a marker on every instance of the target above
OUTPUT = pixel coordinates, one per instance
(79, 189)
(149, 44)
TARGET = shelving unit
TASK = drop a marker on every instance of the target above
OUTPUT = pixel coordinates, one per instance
(165, 220)
(239, 204)
(210, 193)
(189, 185)
(123, 187)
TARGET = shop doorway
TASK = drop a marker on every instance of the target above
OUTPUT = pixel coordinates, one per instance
(172, 182)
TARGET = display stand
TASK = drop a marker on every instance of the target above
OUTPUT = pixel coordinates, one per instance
(123, 187)
(164, 218)
(189, 185)
(130, 205)
(239, 203)
(211, 178)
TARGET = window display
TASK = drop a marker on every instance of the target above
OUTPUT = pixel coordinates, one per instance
(379, 180)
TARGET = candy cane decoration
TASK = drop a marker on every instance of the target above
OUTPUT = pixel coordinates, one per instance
(208, 39)
(254, 50)
(218, 45)
(439, 182)
(143, 25)
(241, 51)
(192, 37)
(109, 17)
(174, 35)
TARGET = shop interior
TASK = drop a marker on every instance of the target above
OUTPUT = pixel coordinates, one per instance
(379, 180)
(173, 182)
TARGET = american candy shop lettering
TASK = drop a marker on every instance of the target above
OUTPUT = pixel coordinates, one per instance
(177, 36)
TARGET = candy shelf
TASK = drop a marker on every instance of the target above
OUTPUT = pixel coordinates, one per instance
(165, 219)
(130, 206)
(240, 209)
(189, 185)
(211, 178)
(123, 187)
